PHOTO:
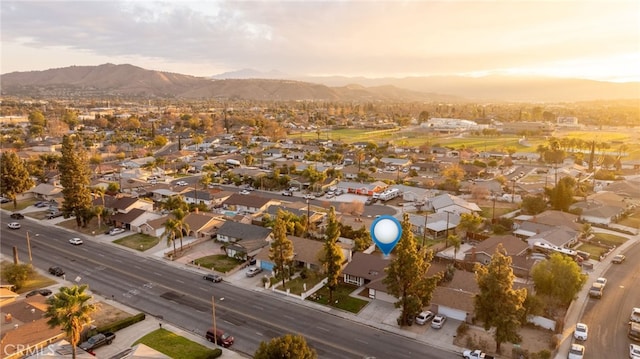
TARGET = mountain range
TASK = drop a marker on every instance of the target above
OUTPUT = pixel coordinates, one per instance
(109, 80)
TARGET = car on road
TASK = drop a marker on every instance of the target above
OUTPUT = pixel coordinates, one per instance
(619, 258)
(581, 331)
(634, 351)
(220, 337)
(602, 281)
(4, 200)
(42, 292)
(309, 196)
(424, 317)
(253, 271)
(115, 231)
(576, 351)
(245, 191)
(57, 271)
(17, 215)
(438, 321)
(596, 290)
(181, 183)
(14, 225)
(287, 193)
(213, 278)
(75, 241)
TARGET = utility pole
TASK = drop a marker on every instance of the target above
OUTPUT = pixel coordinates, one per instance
(29, 248)
(308, 216)
(424, 238)
(215, 331)
(446, 238)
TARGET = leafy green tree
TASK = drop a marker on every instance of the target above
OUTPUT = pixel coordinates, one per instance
(498, 305)
(74, 178)
(332, 256)
(160, 141)
(70, 309)
(558, 277)
(70, 118)
(586, 230)
(14, 177)
(37, 123)
(469, 222)
(455, 241)
(561, 196)
(407, 277)
(534, 204)
(289, 346)
(281, 250)
(17, 274)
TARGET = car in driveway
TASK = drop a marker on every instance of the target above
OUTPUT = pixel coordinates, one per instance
(576, 351)
(581, 331)
(438, 321)
(253, 271)
(75, 241)
(619, 258)
(424, 317)
(54, 214)
(115, 231)
(17, 215)
(42, 292)
(41, 204)
(57, 271)
(213, 278)
(14, 225)
(634, 351)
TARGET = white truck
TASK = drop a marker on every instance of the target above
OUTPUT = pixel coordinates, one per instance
(635, 315)
(476, 354)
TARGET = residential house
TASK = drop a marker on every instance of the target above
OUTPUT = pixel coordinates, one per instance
(367, 189)
(368, 270)
(243, 240)
(605, 215)
(454, 298)
(561, 236)
(306, 254)
(154, 227)
(452, 204)
(46, 192)
(125, 219)
(433, 225)
(483, 252)
(203, 225)
(199, 197)
(123, 204)
(246, 203)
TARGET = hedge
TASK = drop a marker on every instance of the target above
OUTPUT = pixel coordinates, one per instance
(122, 323)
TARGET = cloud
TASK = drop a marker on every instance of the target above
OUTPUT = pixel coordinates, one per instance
(325, 37)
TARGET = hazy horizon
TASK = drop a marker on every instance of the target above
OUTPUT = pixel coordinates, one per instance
(597, 40)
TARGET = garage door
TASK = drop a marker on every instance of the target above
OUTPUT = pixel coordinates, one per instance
(452, 313)
(267, 266)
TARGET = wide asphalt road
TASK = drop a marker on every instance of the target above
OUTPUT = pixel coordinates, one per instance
(183, 298)
(608, 317)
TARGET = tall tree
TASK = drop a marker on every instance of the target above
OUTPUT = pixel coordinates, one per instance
(70, 309)
(469, 222)
(332, 256)
(281, 250)
(181, 226)
(558, 277)
(14, 177)
(561, 196)
(171, 231)
(498, 305)
(74, 178)
(407, 277)
(289, 346)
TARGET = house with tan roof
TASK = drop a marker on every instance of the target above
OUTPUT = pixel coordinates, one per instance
(249, 203)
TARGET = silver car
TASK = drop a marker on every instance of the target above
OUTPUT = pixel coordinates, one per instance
(438, 321)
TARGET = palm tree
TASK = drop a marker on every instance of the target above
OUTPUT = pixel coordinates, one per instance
(170, 231)
(180, 224)
(70, 309)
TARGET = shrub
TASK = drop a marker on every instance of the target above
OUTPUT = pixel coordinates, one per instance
(215, 353)
(463, 328)
(120, 324)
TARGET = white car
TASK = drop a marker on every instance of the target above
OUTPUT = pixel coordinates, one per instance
(424, 317)
(438, 321)
(244, 191)
(181, 183)
(634, 351)
(253, 271)
(581, 332)
(75, 241)
(576, 352)
(14, 225)
(115, 231)
(309, 196)
(602, 281)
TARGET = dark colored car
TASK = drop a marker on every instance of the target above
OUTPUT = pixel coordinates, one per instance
(42, 292)
(41, 204)
(213, 278)
(57, 271)
(221, 337)
(17, 215)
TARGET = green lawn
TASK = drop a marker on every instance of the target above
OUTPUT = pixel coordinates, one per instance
(632, 221)
(296, 285)
(594, 251)
(219, 262)
(341, 298)
(138, 241)
(21, 205)
(177, 347)
(92, 228)
(36, 281)
(609, 239)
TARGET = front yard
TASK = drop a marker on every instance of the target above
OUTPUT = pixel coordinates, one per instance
(297, 284)
(92, 228)
(342, 298)
(138, 241)
(219, 262)
(176, 346)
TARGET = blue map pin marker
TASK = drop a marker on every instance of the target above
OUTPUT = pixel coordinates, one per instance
(386, 232)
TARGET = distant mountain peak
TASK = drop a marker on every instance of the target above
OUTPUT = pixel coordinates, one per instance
(251, 74)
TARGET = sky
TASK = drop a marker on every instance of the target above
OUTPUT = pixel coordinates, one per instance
(592, 39)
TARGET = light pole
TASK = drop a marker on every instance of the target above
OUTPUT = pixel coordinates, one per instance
(29, 247)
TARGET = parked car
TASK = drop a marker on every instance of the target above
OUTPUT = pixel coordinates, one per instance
(602, 281)
(42, 292)
(253, 271)
(287, 193)
(75, 241)
(181, 183)
(244, 191)
(213, 278)
(634, 351)
(619, 258)
(54, 214)
(438, 321)
(14, 225)
(581, 332)
(576, 351)
(309, 196)
(98, 340)
(17, 215)
(115, 231)
(4, 200)
(424, 317)
(220, 337)
(57, 271)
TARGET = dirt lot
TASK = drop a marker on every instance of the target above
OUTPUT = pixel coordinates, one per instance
(107, 314)
(533, 340)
